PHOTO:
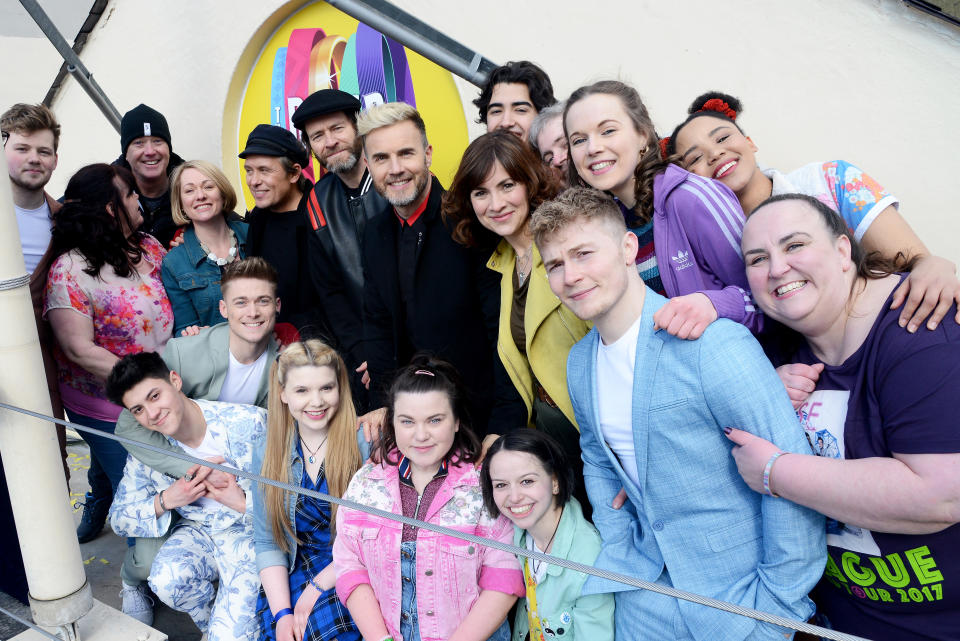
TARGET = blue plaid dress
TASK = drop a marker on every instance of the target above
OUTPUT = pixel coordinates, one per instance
(329, 619)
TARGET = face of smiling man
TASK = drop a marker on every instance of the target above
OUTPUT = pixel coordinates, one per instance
(399, 163)
(250, 306)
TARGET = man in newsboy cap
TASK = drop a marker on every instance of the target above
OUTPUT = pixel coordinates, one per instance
(343, 201)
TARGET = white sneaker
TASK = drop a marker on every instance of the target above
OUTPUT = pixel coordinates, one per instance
(136, 603)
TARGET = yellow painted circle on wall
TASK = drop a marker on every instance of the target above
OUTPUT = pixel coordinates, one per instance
(319, 46)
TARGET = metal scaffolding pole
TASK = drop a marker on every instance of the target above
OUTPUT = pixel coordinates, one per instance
(419, 36)
(74, 65)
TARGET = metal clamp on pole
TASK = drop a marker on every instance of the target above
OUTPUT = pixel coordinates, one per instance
(74, 65)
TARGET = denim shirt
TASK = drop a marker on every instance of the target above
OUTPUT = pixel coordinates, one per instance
(192, 280)
(266, 548)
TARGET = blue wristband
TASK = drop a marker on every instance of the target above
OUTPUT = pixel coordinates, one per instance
(280, 614)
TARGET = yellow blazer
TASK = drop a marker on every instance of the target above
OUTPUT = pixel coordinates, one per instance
(551, 330)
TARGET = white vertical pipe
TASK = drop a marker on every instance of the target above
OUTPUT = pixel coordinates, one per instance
(59, 593)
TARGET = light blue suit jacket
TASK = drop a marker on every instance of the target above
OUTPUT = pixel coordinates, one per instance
(692, 521)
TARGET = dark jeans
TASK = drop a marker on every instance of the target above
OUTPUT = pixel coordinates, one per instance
(107, 457)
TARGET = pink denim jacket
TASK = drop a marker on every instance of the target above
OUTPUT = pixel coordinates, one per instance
(451, 572)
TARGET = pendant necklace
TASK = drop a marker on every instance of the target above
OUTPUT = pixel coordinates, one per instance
(313, 453)
(537, 563)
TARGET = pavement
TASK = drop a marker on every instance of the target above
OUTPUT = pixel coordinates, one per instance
(102, 558)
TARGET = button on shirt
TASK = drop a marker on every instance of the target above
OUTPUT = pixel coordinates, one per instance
(409, 242)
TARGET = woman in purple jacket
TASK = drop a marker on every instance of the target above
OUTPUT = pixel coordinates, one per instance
(689, 227)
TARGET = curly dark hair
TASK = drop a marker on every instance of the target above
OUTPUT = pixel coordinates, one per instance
(426, 373)
(519, 161)
(696, 110)
(521, 72)
(87, 225)
(651, 162)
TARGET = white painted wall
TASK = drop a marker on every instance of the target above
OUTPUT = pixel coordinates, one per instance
(869, 81)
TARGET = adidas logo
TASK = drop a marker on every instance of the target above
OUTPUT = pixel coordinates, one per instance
(681, 260)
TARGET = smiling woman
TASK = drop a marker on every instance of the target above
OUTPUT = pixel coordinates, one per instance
(884, 467)
(202, 199)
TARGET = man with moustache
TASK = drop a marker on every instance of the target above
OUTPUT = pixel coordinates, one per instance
(424, 291)
(339, 208)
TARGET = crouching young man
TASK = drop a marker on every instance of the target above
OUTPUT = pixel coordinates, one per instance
(213, 538)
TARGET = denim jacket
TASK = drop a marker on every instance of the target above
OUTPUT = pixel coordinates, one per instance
(451, 572)
(268, 552)
(192, 280)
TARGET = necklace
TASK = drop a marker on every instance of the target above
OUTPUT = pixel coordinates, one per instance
(231, 255)
(523, 265)
(313, 453)
(537, 563)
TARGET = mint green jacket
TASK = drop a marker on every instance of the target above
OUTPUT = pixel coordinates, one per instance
(564, 613)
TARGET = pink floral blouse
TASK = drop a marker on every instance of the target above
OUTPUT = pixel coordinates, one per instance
(129, 315)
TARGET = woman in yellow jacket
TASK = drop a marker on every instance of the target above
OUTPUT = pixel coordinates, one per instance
(499, 183)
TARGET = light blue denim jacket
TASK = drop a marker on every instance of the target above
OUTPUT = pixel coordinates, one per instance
(192, 280)
(692, 521)
(266, 548)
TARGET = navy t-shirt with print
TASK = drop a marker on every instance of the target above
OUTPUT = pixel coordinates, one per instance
(899, 392)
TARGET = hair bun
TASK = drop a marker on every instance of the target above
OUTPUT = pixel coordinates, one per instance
(717, 101)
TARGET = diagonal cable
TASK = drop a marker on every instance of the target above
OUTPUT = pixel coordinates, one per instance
(642, 584)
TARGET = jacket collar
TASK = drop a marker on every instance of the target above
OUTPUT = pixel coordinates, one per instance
(563, 540)
(458, 474)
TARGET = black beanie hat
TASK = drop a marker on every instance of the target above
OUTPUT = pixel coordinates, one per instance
(143, 121)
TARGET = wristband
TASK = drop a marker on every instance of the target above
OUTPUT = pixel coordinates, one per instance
(766, 473)
(280, 614)
(162, 506)
(313, 582)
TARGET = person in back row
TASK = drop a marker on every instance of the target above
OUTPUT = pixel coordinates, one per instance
(513, 96)
(423, 291)
(342, 203)
(213, 540)
(279, 229)
(146, 150)
(228, 362)
(690, 521)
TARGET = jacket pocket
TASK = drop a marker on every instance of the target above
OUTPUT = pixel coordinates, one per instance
(735, 534)
(461, 562)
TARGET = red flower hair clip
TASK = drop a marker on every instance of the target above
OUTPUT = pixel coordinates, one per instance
(720, 106)
(663, 147)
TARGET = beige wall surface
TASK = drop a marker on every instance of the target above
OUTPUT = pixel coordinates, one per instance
(869, 81)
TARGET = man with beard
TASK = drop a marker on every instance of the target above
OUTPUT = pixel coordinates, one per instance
(341, 204)
(424, 291)
(147, 152)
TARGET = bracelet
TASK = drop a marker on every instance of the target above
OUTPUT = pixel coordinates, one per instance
(766, 473)
(162, 506)
(280, 614)
(313, 582)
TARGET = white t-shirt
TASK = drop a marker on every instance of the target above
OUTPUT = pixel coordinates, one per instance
(34, 227)
(615, 364)
(208, 448)
(241, 383)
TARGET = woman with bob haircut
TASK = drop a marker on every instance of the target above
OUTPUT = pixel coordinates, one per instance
(710, 143)
(886, 467)
(202, 200)
(499, 183)
(312, 442)
(527, 478)
(104, 299)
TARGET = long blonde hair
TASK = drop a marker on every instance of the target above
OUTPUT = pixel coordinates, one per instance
(343, 454)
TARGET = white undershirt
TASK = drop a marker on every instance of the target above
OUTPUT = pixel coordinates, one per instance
(207, 449)
(615, 363)
(242, 382)
(537, 568)
(34, 227)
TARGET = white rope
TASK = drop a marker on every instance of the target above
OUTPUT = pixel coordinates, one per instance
(512, 549)
(14, 283)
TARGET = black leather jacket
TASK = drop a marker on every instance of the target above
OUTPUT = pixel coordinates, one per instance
(335, 263)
